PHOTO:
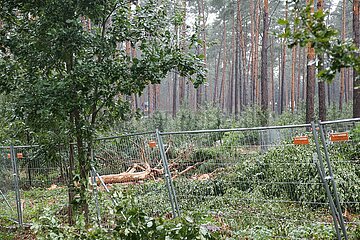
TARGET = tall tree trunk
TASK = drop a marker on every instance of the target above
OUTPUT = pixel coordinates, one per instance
(183, 48)
(199, 90)
(216, 80)
(356, 79)
(264, 66)
(176, 77)
(256, 63)
(293, 64)
(245, 72)
(237, 83)
(282, 85)
(174, 96)
(343, 70)
(252, 53)
(224, 62)
(279, 97)
(71, 187)
(310, 83)
(304, 67)
(321, 84)
(233, 56)
(272, 91)
(204, 44)
(297, 100)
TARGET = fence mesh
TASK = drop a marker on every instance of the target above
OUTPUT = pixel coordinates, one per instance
(132, 163)
(42, 175)
(254, 181)
(7, 188)
(342, 140)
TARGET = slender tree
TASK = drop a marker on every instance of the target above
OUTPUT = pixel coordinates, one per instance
(282, 84)
(321, 83)
(224, 65)
(264, 65)
(237, 82)
(272, 89)
(232, 69)
(244, 77)
(343, 70)
(293, 73)
(356, 78)
(310, 79)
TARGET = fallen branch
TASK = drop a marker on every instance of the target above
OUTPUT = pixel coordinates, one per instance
(146, 172)
(129, 176)
(187, 170)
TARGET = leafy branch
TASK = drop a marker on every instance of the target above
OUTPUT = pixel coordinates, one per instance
(309, 28)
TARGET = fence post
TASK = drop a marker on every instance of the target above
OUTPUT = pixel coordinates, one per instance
(332, 180)
(167, 175)
(16, 185)
(95, 191)
(324, 180)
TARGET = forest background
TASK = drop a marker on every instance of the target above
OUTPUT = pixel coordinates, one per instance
(243, 54)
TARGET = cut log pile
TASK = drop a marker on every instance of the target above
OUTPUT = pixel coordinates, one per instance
(134, 174)
(142, 170)
(138, 173)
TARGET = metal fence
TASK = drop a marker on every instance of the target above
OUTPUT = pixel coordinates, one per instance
(133, 163)
(9, 199)
(341, 145)
(28, 175)
(250, 178)
(269, 182)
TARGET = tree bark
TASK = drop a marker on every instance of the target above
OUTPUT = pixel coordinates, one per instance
(224, 62)
(252, 53)
(282, 84)
(293, 64)
(310, 83)
(272, 89)
(264, 66)
(233, 56)
(343, 70)
(174, 97)
(321, 84)
(256, 62)
(216, 80)
(297, 100)
(244, 63)
(356, 79)
(237, 82)
(204, 46)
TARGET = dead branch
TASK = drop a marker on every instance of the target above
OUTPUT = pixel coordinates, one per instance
(187, 170)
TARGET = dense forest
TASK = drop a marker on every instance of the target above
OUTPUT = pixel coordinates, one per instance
(92, 94)
(243, 55)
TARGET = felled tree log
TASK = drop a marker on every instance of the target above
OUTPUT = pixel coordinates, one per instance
(138, 173)
(129, 176)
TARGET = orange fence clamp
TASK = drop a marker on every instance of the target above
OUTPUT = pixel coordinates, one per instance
(339, 137)
(18, 155)
(152, 144)
(302, 140)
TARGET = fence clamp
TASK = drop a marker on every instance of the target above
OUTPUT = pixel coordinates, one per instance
(328, 178)
(315, 158)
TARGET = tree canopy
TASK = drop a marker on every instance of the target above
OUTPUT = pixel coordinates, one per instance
(68, 65)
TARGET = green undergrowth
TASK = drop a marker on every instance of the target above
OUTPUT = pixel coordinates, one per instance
(249, 193)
